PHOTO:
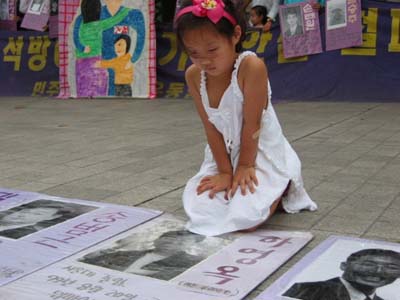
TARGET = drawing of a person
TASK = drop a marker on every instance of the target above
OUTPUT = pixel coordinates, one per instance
(122, 66)
(88, 39)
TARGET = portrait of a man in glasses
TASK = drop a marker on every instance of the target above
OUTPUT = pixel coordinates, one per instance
(364, 272)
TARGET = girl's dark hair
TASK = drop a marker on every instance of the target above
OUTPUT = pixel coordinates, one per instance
(261, 11)
(90, 10)
(189, 21)
(127, 40)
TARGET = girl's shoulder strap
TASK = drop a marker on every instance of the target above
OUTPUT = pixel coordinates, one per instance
(203, 88)
(239, 60)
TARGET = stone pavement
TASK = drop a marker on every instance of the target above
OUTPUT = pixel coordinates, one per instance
(141, 152)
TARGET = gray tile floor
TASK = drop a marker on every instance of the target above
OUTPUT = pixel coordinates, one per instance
(141, 152)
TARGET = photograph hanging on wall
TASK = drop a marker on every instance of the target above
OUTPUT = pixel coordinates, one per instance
(340, 268)
(343, 24)
(300, 30)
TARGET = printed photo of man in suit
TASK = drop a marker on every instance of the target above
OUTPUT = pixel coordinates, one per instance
(364, 272)
(167, 258)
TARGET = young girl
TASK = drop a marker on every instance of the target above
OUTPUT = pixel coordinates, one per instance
(258, 16)
(249, 165)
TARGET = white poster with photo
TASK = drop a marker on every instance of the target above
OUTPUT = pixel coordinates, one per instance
(342, 268)
(161, 260)
(37, 232)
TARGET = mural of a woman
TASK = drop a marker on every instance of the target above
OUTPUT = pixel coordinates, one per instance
(88, 40)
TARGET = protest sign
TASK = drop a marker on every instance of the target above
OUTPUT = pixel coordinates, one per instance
(37, 230)
(37, 15)
(300, 29)
(339, 265)
(161, 260)
(343, 24)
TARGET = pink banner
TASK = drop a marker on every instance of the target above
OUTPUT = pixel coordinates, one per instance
(37, 15)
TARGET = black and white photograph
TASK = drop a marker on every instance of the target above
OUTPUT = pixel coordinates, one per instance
(293, 21)
(53, 7)
(345, 272)
(32, 217)
(36, 7)
(3, 10)
(336, 14)
(162, 252)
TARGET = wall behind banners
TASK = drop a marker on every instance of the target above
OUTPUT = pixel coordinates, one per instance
(28, 64)
(366, 73)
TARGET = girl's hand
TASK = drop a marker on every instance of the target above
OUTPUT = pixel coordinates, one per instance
(216, 183)
(245, 177)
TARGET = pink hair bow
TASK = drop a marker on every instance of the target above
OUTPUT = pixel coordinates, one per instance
(212, 9)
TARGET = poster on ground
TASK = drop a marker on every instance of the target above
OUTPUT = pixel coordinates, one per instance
(343, 24)
(342, 268)
(161, 260)
(107, 49)
(37, 230)
(300, 29)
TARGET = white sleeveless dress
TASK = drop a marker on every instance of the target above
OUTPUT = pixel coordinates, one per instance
(276, 164)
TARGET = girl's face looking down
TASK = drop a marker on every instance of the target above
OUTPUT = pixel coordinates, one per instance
(211, 51)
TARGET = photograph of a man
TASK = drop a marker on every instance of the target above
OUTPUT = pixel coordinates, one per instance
(34, 216)
(3, 9)
(36, 6)
(168, 255)
(336, 14)
(293, 21)
(364, 272)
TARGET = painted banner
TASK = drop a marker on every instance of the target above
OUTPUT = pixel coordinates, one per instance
(340, 266)
(365, 73)
(343, 24)
(37, 230)
(161, 260)
(37, 15)
(300, 29)
(107, 49)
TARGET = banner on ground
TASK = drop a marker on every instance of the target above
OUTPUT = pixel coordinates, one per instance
(343, 24)
(107, 49)
(300, 29)
(160, 260)
(340, 266)
(37, 230)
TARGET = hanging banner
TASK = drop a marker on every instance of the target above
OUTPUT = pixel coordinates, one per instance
(107, 49)
(37, 15)
(365, 73)
(340, 267)
(161, 260)
(343, 24)
(300, 29)
(37, 230)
